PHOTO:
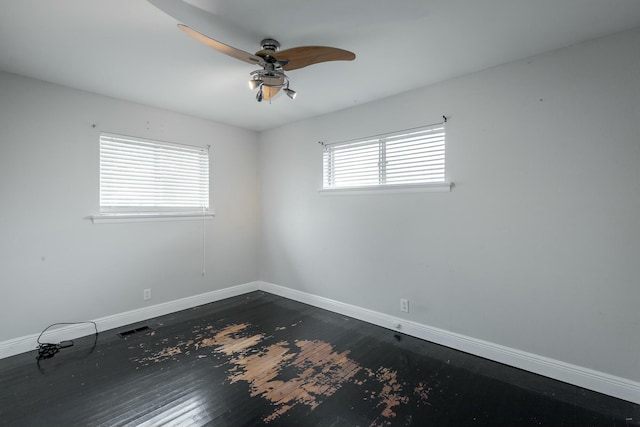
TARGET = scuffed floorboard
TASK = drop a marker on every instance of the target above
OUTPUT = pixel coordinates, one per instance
(262, 360)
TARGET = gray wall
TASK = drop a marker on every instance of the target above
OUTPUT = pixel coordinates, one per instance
(536, 248)
(55, 265)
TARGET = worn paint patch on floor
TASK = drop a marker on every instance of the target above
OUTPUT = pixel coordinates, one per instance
(320, 373)
(290, 373)
(391, 394)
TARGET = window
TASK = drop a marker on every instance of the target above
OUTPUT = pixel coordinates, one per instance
(144, 176)
(414, 156)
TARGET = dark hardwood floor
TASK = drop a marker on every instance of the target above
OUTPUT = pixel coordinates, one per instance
(262, 360)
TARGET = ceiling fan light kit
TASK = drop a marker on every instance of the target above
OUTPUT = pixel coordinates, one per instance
(255, 83)
(271, 78)
(290, 93)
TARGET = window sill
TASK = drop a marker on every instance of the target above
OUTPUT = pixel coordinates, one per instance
(388, 189)
(105, 218)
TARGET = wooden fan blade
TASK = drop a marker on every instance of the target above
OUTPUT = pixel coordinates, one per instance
(302, 56)
(269, 92)
(221, 47)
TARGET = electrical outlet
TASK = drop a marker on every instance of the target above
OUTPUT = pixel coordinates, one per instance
(146, 294)
(404, 305)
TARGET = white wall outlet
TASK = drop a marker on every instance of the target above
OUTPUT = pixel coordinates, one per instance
(146, 294)
(404, 305)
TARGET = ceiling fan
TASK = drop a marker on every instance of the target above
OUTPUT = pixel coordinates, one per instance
(270, 78)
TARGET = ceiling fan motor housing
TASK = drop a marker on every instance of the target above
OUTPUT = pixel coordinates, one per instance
(270, 44)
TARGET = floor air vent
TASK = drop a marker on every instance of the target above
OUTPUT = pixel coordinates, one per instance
(127, 334)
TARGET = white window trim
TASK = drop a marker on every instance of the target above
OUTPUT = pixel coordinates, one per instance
(438, 187)
(110, 218)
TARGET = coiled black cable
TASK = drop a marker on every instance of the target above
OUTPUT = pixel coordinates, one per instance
(48, 350)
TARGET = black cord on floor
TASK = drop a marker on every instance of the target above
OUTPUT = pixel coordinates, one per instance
(48, 350)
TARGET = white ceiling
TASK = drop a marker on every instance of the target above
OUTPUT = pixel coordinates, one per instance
(132, 50)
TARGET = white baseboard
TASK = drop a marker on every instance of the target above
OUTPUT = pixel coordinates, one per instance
(582, 377)
(69, 332)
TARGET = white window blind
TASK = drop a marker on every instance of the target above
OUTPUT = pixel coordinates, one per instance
(414, 156)
(141, 175)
